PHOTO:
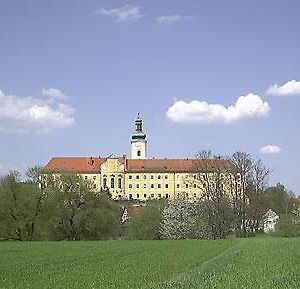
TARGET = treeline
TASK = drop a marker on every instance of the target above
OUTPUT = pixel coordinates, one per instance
(65, 209)
(181, 219)
(235, 198)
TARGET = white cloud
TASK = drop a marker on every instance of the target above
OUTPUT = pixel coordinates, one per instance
(270, 149)
(170, 19)
(249, 106)
(25, 114)
(291, 87)
(53, 93)
(122, 14)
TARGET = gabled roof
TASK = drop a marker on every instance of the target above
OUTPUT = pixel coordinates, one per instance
(74, 164)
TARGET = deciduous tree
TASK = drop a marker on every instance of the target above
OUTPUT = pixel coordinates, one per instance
(179, 220)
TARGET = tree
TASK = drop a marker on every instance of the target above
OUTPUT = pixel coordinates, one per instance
(20, 207)
(257, 198)
(74, 211)
(218, 216)
(100, 217)
(34, 174)
(296, 214)
(180, 220)
(280, 199)
(65, 197)
(214, 175)
(144, 225)
(286, 226)
(10, 206)
(242, 165)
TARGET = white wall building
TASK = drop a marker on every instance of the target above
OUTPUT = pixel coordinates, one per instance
(270, 219)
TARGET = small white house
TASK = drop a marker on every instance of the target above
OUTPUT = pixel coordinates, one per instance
(270, 219)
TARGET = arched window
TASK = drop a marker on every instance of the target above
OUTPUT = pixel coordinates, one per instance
(112, 182)
(104, 182)
(138, 153)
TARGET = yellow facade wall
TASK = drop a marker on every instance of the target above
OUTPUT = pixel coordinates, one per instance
(148, 185)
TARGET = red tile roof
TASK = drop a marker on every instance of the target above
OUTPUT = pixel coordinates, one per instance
(77, 164)
(134, 209)
(174, 165)
(81, 164)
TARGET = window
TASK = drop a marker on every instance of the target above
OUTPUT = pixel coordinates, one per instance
(195, 186)
(119, 197)
(152, 177)
(152, 186)
(166, 177)
(178, 186)
(186, 186)
(85, 177)
(130, 196)
(145, 196)
(159, 177)
(130, 177)
(104, 182)
(137, 186)
(167, 196)
(94, 178)
(166, 186)
(138, 153)
(186, 195)
(195, 195)
(119, 183)
(177, 176)
(130, 186)
(145, 177)
(145, 186)
(137, 196)
(94, 186)
(152, 196)
(112, 182)
(137, 177)
(159, 196)
(195, 177)
(159, 186)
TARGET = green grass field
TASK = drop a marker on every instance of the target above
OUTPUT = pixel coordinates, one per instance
(233, 263)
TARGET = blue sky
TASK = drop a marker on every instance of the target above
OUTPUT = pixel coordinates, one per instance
(222, 75)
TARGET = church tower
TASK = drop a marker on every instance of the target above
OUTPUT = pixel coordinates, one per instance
(138, 141)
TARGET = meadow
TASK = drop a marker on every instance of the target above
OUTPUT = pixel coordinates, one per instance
(232, 263)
